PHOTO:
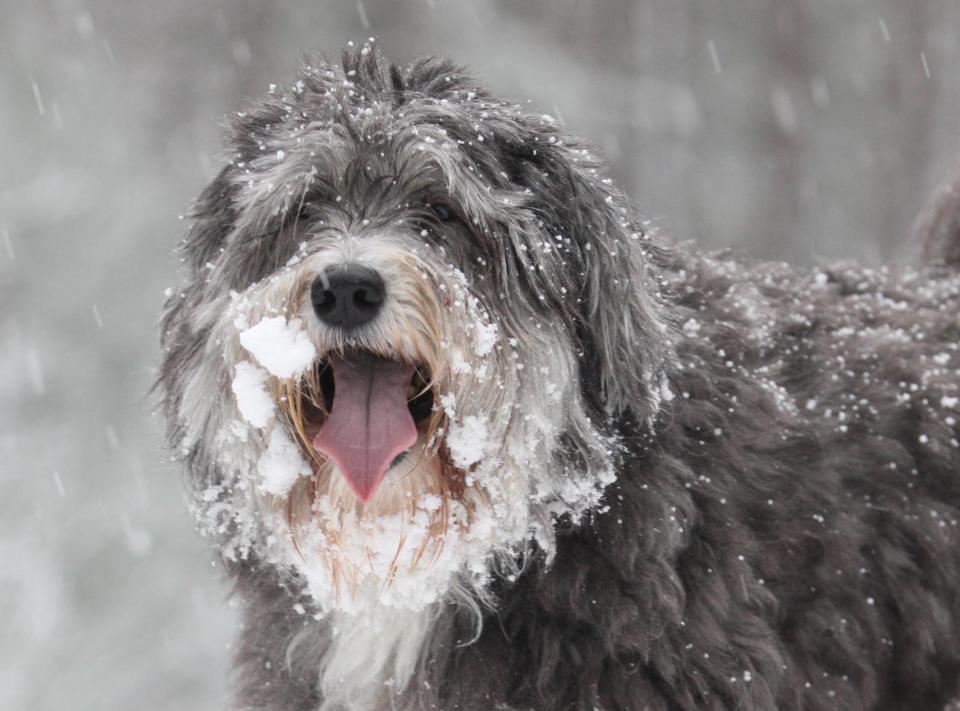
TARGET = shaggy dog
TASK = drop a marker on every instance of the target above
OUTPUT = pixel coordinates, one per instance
(468, 436)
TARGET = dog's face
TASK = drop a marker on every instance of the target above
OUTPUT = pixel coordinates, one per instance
(411, 313)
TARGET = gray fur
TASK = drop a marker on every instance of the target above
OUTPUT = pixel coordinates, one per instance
(784, 529)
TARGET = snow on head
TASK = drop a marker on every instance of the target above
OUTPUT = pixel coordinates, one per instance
(281, 464)
(280, 346)
(253, 400)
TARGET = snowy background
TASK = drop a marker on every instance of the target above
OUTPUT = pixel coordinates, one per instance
(796, 129)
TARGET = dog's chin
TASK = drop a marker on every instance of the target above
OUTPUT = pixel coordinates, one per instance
(382, 517)
(354, 553)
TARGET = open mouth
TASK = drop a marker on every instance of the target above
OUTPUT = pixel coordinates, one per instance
(364, 412)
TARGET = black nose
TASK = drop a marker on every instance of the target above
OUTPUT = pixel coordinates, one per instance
(347, 295)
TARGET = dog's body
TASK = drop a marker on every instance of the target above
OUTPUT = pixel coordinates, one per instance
(653, 479)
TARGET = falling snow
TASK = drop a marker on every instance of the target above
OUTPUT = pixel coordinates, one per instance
(109, 135)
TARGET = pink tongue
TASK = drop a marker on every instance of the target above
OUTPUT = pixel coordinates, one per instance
(369, 423)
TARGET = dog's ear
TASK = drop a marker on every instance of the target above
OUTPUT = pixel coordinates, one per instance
(209, 222)
(613, 265)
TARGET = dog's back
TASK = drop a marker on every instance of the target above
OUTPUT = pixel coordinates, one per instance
(936, 232)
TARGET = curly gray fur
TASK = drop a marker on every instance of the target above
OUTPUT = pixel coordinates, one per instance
(784, 529)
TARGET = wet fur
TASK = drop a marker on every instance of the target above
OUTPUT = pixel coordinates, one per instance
(784, 529)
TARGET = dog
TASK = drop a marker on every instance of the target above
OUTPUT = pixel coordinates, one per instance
(468, 434)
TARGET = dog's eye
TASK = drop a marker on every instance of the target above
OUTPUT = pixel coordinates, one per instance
(306, 212)
(443, 212)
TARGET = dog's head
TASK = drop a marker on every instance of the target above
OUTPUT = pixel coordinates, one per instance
(412, 315)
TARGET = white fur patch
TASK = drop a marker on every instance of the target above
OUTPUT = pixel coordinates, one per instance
(370, 655)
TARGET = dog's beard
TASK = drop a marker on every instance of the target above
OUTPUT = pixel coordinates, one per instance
(486, 471)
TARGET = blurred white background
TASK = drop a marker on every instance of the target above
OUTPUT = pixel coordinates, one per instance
(794, 129)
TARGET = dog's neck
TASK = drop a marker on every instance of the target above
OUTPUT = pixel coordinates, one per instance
(372, 655)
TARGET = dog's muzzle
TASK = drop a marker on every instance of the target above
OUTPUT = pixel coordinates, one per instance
(373, 402)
